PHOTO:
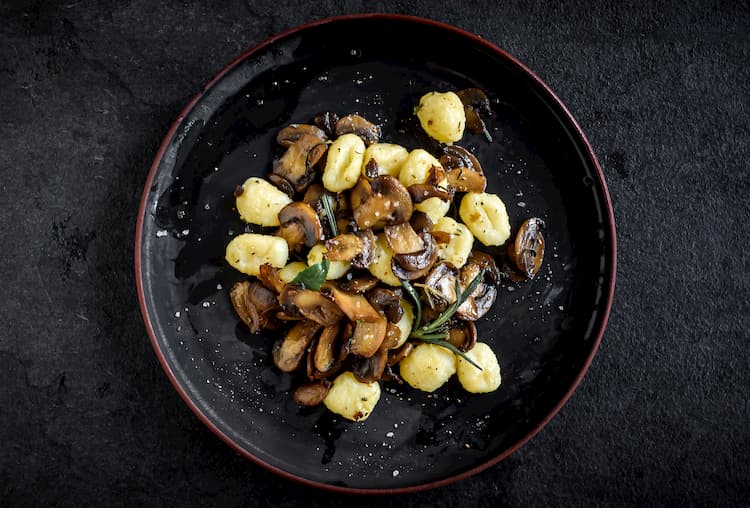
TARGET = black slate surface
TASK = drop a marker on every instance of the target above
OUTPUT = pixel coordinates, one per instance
(88, 90)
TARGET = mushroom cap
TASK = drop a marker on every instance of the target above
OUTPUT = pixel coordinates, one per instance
(300, 225)
(380, 202)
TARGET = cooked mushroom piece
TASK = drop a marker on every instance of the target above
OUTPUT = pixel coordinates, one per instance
(475, 102)
(282, 183)
(292, 132)
(416, 265)
(396, 355)
(289, 351)
(403, 239)
(300, 225)
(368, 131)
(440, 285)
(357, 248)
(324, 355)
(392, 336)
(311, 304)
(356, 307)
(254, 304)
(368, 337)
(464, 171)
(297, 165)
(370, 370)
(327, 121)
(387, 302)
(311, 394)
(422, 191)
(481, 300)
(383, 201)
(359, 284)
(527, 251)
(463, 335)
(420, 221)
(269, 276)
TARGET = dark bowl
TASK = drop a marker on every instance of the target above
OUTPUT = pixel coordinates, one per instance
(545, 332)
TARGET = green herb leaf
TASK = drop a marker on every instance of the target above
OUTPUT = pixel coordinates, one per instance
(417, 301)
(328, 208)
(452, 348)
(447, 314)
(313, 276)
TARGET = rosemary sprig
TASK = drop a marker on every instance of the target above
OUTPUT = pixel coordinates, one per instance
(328, 208)
(448, 313)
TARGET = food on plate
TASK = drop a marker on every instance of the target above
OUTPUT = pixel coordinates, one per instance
(366, 267)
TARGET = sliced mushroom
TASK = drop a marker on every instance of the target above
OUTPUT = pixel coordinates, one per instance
(324, 356)
(356, 307)
(440, 285)
(381, 202)
(464, 171)
(368, 131)
(357, 248)
(403, 239)
(475, 102)
(289, 351)
(269, 276)
(311, 394)
(416, 265)
(421, 191)
(392, 336)
(527, 251)
(359, 284)
(300, 225)
(481, 299)
(282, 183)
(387, 302)
(254, 304)
(420, 221)
(370, 370)
(368, 337)
(371, 169)
(292, 132)
(396, 355)
(311, 304)
(463, 335)
(297, 165)
(327, 121)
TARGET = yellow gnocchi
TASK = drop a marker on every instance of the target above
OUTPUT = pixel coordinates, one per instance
(246, 252)
(442, 116)
(290, 271)
(486, 217)
(260, 202)
(434, 208)
(387, 156)
(428, 367)
(406, 322)
(416, 168)
(381, 266)
(479, 381)
(335, 270)
(351, 398)
(458, 248)
(344, 163)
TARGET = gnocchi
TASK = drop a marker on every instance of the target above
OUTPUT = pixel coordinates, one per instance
(428, 367)
(381, 266)
(387, 156)
(246, 252)
(344, 164)
(336, 270)
(458, 248)
(290, 271)
(416, 168)
(406, 322)
(479, 381)
(442, 116)
(486, 217)
(434, 208)
(351, 398)
(260, 202)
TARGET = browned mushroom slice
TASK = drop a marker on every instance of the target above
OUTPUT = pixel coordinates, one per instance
(403, 239)
(269, 276)
(300, 225)
(420, 221)
(327, 121)
(396, 355)
(416, 265)
(371, 169)
(463, 335)
(344, 247)
(324, 356)
(464, 171)
(297, 165)
(392, 336)
(368, 337)
(440, 285)
(421, 191)
(387, 302)
(368, 131)
(381, 202)
(370, 370)
(289, 351)
(311, 304)
(359, 284)
(481, 300)
(311, 394)
(479, 260)
(356, 307)
(254, 304)
(475, 103)
(347, 331)
(527, 251)
(283, 184)
(292, 132)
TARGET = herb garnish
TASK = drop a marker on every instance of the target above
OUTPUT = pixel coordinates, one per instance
(328, 208)
(313, 276)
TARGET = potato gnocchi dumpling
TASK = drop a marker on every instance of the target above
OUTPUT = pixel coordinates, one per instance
(246, 252)
(428, 367)
(344, 164)
(290, 271)
(486, 217)
(416, 168)
(434, 208)
(458, 248)
(406, 322)
(352, 399)
(442, 116)
(381, 266)
(387, 156)
(260, 202)
(479, 381)
(336, 270)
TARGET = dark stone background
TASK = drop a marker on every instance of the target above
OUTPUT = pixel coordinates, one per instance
(88, 90)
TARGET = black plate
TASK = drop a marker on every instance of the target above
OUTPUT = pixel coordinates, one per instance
(545, 332)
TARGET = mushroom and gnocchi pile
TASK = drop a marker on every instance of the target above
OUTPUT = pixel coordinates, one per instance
(361, 268)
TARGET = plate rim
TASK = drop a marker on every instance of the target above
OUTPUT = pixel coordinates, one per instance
(609, 225)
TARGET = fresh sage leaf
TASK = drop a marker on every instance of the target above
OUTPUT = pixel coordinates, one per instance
(313, 276)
